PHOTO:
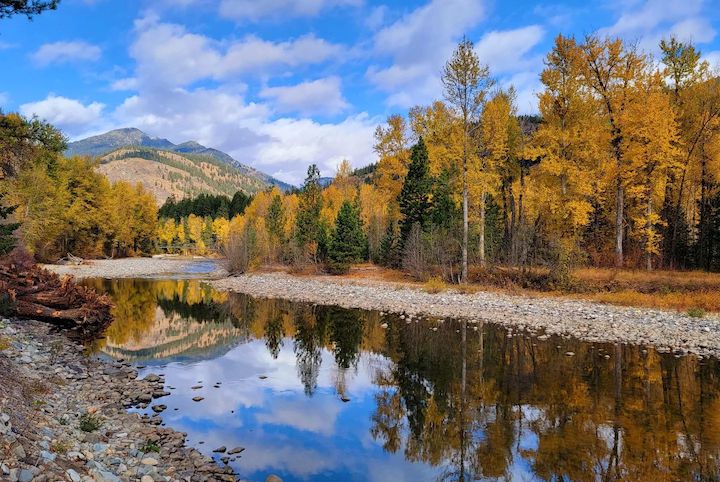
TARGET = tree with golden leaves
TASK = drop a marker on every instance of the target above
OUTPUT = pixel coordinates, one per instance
(466, 85)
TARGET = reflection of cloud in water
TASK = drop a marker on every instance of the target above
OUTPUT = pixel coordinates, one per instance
(316, 416)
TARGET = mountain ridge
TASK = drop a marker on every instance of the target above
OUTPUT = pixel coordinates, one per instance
(102, 144)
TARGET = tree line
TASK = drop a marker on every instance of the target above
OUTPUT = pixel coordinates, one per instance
(621, 168)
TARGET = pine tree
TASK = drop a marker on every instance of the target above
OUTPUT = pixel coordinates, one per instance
(307, 221)
(388, 252)
(7, 240)
(414, 198)
(275, 221)
(347, 244)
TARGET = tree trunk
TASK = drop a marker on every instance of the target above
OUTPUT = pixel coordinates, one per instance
(650, 233)
(481, 246)
(464, 274)
(619, 206)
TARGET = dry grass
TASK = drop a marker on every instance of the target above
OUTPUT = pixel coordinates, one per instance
(435, 285)
(684, 291)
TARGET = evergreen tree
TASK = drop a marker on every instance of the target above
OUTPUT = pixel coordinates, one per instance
(275, 221)
(414, 198)
(347, 244)
(7, 240)
(443, 212)
(307, 221)
(388, 255)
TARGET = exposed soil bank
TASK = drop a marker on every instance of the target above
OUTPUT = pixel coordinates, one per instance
(594, 322)
(51, 391)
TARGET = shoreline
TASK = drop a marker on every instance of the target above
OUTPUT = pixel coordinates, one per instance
(667, 331)
(586, 320)
(54, 396)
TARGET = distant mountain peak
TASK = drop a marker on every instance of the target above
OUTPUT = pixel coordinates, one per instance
(102, 144)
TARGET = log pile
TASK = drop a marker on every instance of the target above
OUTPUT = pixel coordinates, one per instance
(29, 291)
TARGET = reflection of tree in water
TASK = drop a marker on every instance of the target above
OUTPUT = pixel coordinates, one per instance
(635, 416)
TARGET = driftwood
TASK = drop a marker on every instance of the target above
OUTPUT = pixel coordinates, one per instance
(29, 291)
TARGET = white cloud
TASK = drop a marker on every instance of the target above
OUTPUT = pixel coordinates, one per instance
(322, 96)
(69, 115)
(254, 10)
(221, 118)
(649, 21)
(419, 43)
(169, 54)
(128, 83)
(62, 52)
(713, 58)
(694, 30)
(506, 50)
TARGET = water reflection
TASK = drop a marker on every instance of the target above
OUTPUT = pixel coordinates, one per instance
(324, 393)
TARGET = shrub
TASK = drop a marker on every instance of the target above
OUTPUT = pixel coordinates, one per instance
(696, 312)
(239, 250)
(90, 422)
(150, 446)
(435, 285)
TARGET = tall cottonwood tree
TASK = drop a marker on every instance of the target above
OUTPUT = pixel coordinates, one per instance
(466, 85)
(610, 68)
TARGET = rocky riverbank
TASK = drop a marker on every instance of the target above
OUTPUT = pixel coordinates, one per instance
(63, 416)
(594, 322)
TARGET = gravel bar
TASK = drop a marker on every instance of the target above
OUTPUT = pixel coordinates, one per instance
(140, 268)
(667, 331)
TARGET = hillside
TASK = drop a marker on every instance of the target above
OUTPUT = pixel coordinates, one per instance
(165, 173)
(104, 144)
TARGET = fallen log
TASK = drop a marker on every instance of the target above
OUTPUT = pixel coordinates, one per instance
(29, 291)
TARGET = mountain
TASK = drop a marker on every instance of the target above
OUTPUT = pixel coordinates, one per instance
(104, 144)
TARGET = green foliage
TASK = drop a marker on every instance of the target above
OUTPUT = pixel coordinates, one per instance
(414, 198)
(307, 221)
(7, 239)
(205, 205)
(444, 212)
(90, 422)
(26, 142)
(275, 221)
(389, 252)
(150, 446)
(696, 313)
(348, 244)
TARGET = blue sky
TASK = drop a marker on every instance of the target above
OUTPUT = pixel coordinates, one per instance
(282, 83)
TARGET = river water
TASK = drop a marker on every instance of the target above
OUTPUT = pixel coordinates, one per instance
(326, 393)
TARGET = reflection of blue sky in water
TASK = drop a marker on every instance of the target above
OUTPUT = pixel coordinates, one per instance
(283, 430)
(531, 411)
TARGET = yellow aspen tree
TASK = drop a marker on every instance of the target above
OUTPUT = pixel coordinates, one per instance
(568, 142)
(195, 229)
(649, 145)
(610, 70)
(221, 230)
(498, 135)
(466, 85)
(392, 148)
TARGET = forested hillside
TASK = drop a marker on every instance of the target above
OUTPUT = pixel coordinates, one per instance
(165, 173)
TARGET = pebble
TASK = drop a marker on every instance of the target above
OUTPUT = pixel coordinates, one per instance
(588, 321)
(198, 399)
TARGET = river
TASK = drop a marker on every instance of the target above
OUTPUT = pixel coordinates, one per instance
(326, 393)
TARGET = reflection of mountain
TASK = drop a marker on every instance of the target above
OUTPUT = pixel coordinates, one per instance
(170, 320)
(176, 338)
